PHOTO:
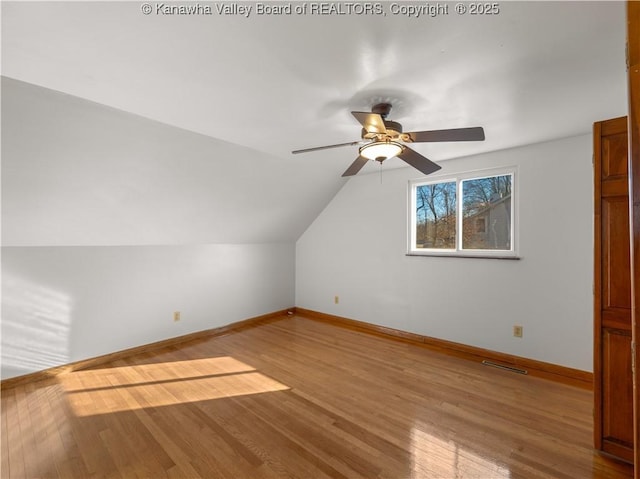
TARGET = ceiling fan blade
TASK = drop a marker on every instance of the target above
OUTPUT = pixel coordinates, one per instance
(371, 122)
(454, 134)
(307, 150)
(418, 161)
(355, 166)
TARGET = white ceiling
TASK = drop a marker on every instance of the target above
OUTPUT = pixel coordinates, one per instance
(534, 72)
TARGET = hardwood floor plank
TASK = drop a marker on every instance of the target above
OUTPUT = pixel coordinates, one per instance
(264, 437)
(15, 441)
(298, 398)
(27, 433)
(87, 434)
(45, 444)
(4, 445)
(343, 456)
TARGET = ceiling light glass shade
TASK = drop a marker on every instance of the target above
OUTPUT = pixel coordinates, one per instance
(381, 150)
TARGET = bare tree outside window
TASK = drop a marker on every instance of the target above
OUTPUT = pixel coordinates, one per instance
(436, 215)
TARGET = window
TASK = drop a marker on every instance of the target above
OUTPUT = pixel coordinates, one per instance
(468, 215)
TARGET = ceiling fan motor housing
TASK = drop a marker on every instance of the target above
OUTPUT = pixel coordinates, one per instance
(393, 128)
(382, 109)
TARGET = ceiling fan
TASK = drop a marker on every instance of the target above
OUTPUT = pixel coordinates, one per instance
(383, 139)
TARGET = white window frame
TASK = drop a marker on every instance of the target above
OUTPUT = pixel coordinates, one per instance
(513, 253)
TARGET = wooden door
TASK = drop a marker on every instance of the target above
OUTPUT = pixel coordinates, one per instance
(612, 292)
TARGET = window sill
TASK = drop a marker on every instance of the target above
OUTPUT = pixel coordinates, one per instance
(456, 255)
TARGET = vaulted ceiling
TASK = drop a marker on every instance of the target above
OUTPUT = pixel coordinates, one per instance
(240, 93)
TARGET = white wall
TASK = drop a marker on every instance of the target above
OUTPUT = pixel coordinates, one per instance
(110, 222)
(63, 304)
(356, 249)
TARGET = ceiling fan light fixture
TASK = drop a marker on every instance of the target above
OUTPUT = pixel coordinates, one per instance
(381, 150)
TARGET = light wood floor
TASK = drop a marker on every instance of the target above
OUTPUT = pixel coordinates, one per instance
(299, 398)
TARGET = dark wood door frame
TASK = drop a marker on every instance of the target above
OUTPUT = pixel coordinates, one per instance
(633, 52)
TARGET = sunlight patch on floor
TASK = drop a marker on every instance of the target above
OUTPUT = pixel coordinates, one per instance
(129, 388)
(434, 457)
(161, 371)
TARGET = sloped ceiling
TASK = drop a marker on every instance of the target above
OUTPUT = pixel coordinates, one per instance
(78, 173)
(223, 99)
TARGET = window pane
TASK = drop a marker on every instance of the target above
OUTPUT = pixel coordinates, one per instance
(486, 213)
(436, 216)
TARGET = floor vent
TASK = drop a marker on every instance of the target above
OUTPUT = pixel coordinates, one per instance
(502, 366)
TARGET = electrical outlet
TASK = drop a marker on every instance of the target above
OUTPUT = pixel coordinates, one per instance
(176, 316)
(517, 331)
(336, 299)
